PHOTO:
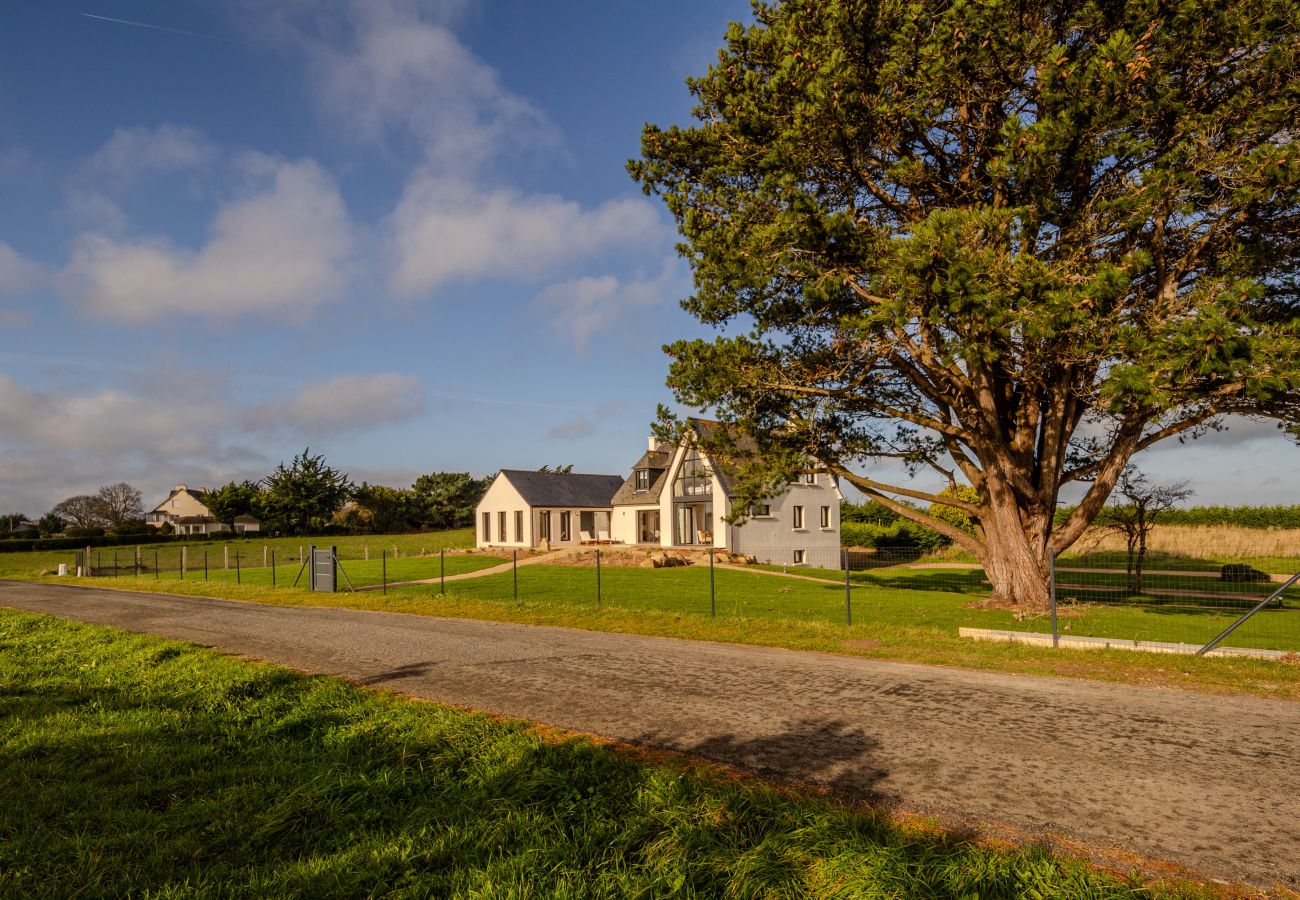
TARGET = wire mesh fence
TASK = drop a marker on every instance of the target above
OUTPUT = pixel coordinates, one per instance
(1098, 595)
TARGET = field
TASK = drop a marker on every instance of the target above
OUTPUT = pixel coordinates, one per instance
(133, 765)
(898, 612)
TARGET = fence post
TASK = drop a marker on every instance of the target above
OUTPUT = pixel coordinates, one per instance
(514, 571)
(597, 578)
(205, 563)
(263, 556)
(155, 564)
(182, 562)
(1051, 562)
(237, 574)
(225, 557)
(99, 560)
(442, 572)
(273, 568)
(114, 563)
(848, 591)
(383, 563)
(713, 605)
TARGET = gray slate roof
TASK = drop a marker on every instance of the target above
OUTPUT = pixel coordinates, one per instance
(657, 462)
(560, 489)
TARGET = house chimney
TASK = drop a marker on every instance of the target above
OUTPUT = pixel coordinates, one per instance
(182, 487)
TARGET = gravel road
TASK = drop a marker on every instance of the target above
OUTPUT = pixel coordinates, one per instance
(1210, 783)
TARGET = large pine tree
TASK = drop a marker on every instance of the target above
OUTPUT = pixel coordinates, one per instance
(1017, 242)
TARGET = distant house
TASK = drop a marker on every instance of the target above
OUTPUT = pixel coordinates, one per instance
(675, 497)
(524, 509)
(186, 511)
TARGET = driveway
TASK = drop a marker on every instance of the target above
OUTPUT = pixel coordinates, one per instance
(1211, 783)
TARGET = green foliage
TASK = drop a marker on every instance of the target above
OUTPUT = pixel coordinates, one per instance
(376, 509)
(1256, 517)
(447, 499)
(50, 524)
(304, 495)
(901, 534)
(873, 512)
(953, 516)
(233, 500)
(1015, 241)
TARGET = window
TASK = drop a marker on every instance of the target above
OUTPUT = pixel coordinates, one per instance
(565, 525)
(519, 526)
(810, 478)
(643, 479)
(694, 478)
(798, 557)
(544, 525)
(487, 528)
(826, 517)
(796, 513)
(501, 527)
(762, 509)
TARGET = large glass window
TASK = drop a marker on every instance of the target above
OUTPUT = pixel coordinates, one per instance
(487, 528)
(519, 526)
(566, 520)
(501, 527)
(694, 478)
(826, 517)
(643, 479)
(796, 513)
(544, 525)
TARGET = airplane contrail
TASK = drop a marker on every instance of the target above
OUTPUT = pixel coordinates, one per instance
(210, 37)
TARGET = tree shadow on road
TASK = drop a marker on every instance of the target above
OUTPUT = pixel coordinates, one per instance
(828, 753)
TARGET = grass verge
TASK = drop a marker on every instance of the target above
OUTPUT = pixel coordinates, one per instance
(133, 765)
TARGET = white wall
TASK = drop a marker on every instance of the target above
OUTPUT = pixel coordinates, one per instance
(502, 497)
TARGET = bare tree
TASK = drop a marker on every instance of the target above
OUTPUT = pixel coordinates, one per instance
(81, 511)
(119, 503)
(1134, 513)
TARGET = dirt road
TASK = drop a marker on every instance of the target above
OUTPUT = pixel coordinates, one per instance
(1210, 783)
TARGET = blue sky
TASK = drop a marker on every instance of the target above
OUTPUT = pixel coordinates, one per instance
(399, 232)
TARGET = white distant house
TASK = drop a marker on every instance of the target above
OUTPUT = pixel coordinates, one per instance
(186, 511)
(525, 509)
(675, 497)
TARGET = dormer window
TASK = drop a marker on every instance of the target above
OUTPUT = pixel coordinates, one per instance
(643, 479)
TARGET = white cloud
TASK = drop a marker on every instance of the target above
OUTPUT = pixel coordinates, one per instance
(582, 308)
(443, 231)
(280, 252)
(346, 403)
(17, 274)
(387, 70)
(133, 152)
(60, 442)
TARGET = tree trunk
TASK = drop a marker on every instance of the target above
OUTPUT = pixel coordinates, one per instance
(1015, 553)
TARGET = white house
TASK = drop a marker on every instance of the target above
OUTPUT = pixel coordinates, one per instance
(185, 509)
(677, 497)
(524, 509)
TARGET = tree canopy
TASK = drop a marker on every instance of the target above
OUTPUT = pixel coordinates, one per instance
(302, 496)
(1012, 242)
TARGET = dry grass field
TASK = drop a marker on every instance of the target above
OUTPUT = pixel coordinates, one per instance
(1275, 550)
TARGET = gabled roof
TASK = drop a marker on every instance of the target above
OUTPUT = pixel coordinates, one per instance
(197, 493)
(706, 429)
(656, 461)
(563, 488)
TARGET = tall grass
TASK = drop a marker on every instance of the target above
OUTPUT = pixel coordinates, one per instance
(1279, 549)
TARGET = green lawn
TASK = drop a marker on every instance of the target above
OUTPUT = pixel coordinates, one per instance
(249, 550)
(136, 766)
(898, 613)
(881, 598)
